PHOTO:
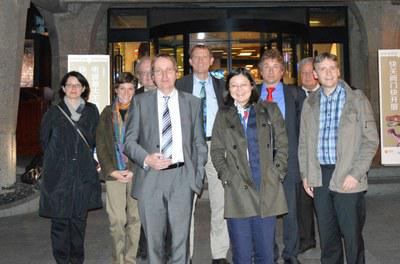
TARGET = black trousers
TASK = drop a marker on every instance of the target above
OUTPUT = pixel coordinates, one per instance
(305, 213)
(67, 239)
(339, 215)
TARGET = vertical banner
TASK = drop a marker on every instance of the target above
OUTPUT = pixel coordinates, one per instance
(96, 69)
(389, 80)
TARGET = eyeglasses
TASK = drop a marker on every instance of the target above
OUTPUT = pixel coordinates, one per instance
(237, 86)
(159, 72)
(73, 85)
(144, 73)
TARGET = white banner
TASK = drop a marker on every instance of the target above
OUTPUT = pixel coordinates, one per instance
(389, 88)
(96, 69)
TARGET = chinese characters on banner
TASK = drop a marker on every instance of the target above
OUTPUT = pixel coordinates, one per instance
(389, 88)
(96, 69)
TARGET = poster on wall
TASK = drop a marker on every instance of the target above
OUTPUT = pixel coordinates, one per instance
(389, 88)
(96, 69)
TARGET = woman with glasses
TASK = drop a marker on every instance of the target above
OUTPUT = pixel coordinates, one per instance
(70, 185)
(249, 151)
(117, 172)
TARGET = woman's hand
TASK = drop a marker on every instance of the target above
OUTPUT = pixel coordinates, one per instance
(124, 176)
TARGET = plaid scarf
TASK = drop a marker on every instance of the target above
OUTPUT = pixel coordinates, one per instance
(119, 132)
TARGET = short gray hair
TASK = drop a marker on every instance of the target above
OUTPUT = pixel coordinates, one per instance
(139, 64)
(304, 61)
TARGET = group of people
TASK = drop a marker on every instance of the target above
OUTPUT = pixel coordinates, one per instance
(265, 151)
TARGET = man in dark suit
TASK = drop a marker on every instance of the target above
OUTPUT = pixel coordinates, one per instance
(289, 100)
(305, 210)
(143, 73)
(165, 139)
(210, 90)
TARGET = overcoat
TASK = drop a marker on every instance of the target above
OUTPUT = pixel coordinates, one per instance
(70, 184)
(105, 146)
(229, 157)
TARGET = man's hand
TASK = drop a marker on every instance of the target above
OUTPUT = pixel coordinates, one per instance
(309, 190)
(122, 176)
(157, 161)
(350, 183)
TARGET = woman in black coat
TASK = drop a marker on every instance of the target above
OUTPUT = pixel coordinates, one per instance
(70, 185)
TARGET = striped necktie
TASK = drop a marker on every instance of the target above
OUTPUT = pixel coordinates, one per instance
(166, 131)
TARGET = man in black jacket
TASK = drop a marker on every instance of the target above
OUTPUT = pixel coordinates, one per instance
(289, 100)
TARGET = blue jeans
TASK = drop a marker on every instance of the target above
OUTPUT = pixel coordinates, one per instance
(252, 238)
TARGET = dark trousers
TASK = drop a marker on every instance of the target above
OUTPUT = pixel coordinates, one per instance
(339, 215)
(67, 239)
(252, 234)
(290, 225)
(305, 213)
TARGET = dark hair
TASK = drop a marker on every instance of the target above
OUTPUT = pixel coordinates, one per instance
(126, 77)
(82, 80)
(270, 54)
(254, 96)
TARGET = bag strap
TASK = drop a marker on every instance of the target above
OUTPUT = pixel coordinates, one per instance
(75, 126)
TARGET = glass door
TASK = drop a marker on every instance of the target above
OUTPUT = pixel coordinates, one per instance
(173, 45)
(218, 43)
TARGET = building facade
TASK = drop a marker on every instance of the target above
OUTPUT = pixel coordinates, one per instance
(237, 31)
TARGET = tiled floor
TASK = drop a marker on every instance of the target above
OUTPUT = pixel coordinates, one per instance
(25, 239)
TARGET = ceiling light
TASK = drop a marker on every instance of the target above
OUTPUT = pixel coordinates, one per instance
(201, 35)
(244, 54)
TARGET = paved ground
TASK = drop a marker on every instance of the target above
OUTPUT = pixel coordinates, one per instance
(25, 239)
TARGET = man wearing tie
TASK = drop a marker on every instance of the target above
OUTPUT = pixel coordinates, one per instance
(210, 90)
(289, 100)
(165, 139)
(308, 81)
(305, 208)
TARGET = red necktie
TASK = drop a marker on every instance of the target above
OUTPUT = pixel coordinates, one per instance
(246, 115)
(270, 90)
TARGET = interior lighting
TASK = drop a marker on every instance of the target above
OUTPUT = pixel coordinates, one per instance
(201, 35)
(315, 22)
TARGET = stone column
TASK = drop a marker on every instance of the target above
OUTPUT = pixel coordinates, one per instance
(382, 27)
(13, 15)
(72, 32)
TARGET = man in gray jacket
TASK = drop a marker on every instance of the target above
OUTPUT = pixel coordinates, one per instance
(334, 169)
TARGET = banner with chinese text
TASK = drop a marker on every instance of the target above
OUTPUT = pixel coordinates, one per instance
(96, 69)
(389, 88)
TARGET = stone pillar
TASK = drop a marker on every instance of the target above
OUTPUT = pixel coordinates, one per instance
(72, 32)
(371, 13)
(13, 15)
(382, 25)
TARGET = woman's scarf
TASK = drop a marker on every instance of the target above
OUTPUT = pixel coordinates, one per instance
(119, 132)
(75, 112)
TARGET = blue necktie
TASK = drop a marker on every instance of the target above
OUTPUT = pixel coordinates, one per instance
(203, 97)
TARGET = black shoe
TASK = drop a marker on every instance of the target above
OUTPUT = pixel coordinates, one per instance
(220, 261)
(292, 261)
(142, 254)
(304, 247)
